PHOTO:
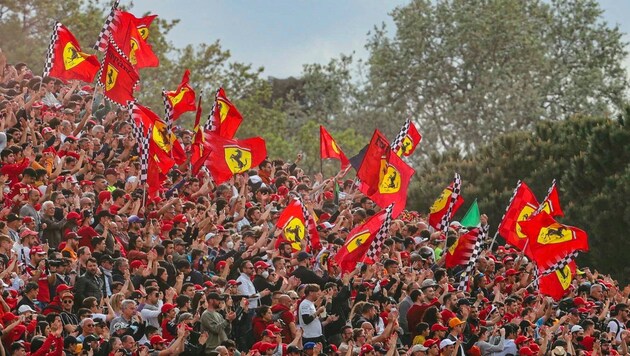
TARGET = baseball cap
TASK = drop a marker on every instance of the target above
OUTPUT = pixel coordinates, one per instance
(135, 219)
(431, 342)
(157, 339)
(303, 256)
(454, 322)
(27, 232)
(576, 329)
(37, 250)
(446, 342)
(167, 307)
(261, 264)
(216, 296)
(24, 309)
(12, 217)
(438, 327)
(418, 347)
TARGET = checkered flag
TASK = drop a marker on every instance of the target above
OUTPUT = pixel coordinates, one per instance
(446, 219)
(463, 281)
(542, 205)
(395, 145)
(108, 26)
(381, 234)
(559, 265)
(307, 218)
(211, 125)
(168, 112)
(50, 56)
(143, 142)
(536, 275)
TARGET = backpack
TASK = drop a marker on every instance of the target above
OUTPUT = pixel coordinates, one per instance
(618, 326)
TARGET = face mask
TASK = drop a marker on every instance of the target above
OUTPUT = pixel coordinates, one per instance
(265, 274)
(230, 245)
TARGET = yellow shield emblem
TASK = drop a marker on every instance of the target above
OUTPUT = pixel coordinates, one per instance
(452, 249)
(405, 146)
(525, 214)
(554, 234)
(71, 56)
(238, 159)
(144, 32)
(357, 240)
(112, 75)
(161, 136)
(223, 109)
(177, 98)
(294, 232)
(389, 180)
(334, 147)
(133, 47)
(441, 201)
(564, 277)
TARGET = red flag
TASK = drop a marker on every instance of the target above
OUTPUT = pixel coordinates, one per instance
(161, 143)
(293, 225)
(117, 77)
(551, 204)
(328, 148)
(225, 117)
(393, 180)
(65, 59)
(196, 158)
(440, 206)
(132, 41)
(226, 157)
(371, 163)
(358, 242)
(522, 207)
(409, 141)
(182, 99)
(459, 253)
(558, 283)
(550, 241)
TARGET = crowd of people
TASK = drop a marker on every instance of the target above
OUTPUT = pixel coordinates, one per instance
(90, 266)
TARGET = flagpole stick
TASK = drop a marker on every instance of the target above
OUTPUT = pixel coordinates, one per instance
(493, 240)
(144, 194)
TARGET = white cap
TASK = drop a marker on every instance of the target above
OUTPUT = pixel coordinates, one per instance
(576, 329)
(446, 342)
(418, 347)
(25, 308)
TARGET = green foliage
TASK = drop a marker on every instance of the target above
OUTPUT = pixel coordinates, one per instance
(589, 158)
(466, 70)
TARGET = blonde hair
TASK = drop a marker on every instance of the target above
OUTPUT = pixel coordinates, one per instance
(116, 302)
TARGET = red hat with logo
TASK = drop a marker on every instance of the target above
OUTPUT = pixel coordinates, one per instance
(157, 339)
(167, 307)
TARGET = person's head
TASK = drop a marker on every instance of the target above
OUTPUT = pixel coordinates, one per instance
(17, 349)
(31, 289)
(87, 325)
(92, 266)
(264, 312)
(312, 292)
(621, 312)
(128, 308)
(128, 342)
(67, 302)
(214, 300)
(247, 267)
(456, 326)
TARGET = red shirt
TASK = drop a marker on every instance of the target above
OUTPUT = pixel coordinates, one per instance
(44, 287)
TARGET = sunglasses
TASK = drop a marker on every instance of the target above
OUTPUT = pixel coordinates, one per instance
(68, 301)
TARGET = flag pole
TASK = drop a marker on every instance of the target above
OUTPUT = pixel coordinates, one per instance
(494, 238)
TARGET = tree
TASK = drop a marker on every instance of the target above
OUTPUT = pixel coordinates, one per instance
(467, 70)
(590, 159)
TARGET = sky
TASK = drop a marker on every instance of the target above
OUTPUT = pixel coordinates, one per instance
(282, 35)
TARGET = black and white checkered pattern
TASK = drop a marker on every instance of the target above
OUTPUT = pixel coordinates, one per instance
(101, 43)
(211, 125)
(50, 57)
(383, 233)
(446, 218)
(404, 130)
(168, 112)
(542, 205)
(561, 264)
(307, 218)
(100, 71)
(463, 281)
(142, 140)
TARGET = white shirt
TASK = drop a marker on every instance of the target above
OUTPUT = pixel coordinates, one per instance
(247, 288)
(314, 329)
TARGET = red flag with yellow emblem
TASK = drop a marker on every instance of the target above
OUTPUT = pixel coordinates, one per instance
(130, 34)
(180, 100)
(224, 119)
(407, 139)
(164, 149)
(292, 223)
(358, 242)
(441, 204)
(117, 76)
(558, 283)
(328, 148)
(394, 176)
(550, 241)
(522, 206)
(65, 59)
(459, 253)
(226, 157)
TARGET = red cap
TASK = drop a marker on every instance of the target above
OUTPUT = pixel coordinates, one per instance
(37, 250)
(264, 346)
(219, 265)
(579, 301)
(511, 272)
(499, 279)
(27, 232)
(431, 342)
(180, 218)
(198, 287)
(233, 282)
(104, 195)
(261, 264)
(136, 264)
(485, 300)
(274, 328)
(157, 339)
(86, 182)
(521, 339)
(366, 348)
(508, 258)
(328, 195)
(208, 284)
(27, 220)
(438, 327)
(72, 235)
(62, 288)
(283, 191)
(167, 307)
